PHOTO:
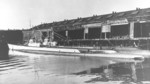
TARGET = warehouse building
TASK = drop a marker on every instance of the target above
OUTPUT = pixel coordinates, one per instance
(117, 28)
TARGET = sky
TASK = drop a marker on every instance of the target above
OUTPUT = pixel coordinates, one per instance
(24, 14)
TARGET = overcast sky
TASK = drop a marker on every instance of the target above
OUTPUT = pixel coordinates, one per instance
(18, 14)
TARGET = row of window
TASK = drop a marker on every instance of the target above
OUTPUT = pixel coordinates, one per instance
(117, 31)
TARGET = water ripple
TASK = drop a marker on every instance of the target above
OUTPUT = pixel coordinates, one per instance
(13, 63)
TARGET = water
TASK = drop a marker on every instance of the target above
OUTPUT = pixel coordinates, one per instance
(30, 68)
(50, 69)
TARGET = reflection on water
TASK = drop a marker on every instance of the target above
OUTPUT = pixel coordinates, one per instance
(120, 72)
(12, 63)
(49, 68)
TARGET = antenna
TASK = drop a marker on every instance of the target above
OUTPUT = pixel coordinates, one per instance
(30, 23)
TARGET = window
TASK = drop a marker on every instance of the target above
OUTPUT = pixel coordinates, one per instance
(134, 12)
(80, 20)
(98, 17)
(72, 21)
(109, 16)
(121, 14)
(88, 19)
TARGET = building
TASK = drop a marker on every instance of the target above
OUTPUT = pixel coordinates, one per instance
(117, 28)
(12, 36)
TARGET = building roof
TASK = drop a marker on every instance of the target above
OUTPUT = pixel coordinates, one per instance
(132, 15)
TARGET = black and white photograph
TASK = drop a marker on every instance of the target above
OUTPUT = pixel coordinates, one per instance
(74, 41)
